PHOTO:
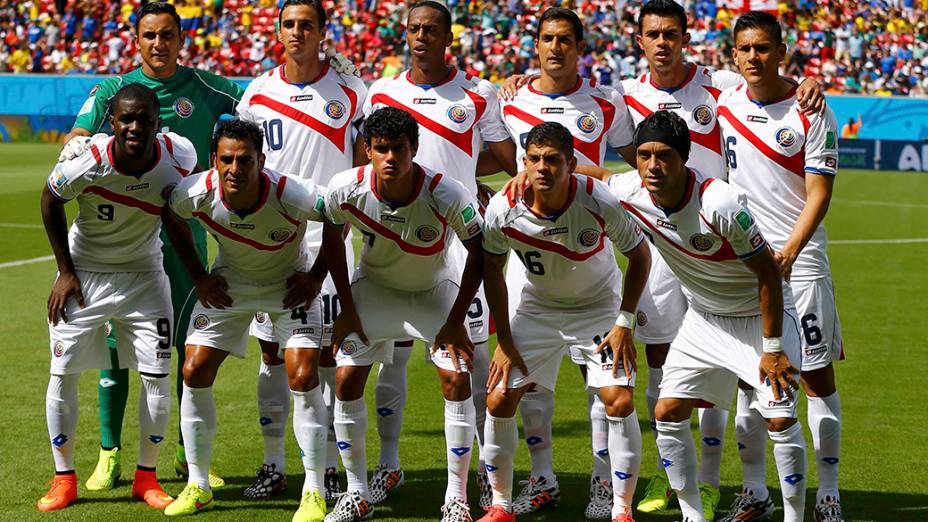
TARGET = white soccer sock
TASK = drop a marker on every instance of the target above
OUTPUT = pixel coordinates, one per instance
(502, 437)
(327, 381)
(825, 425)
(154, 414)
(537, 410)
(310, 425)
(351, 428)
(712, 423)
(390, 397)
(198, 426)
(789, 451)
(61, 415)
(599, 435)
(459, 439)
(752, 445)
(655, 375)
(625, 459)
(273, 411)
(479, 373)
(678, 451)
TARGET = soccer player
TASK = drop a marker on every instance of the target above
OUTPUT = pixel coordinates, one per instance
(785, 162)
(457, 114)
(191, 102)
(407, 285)
(310, 114)
(258, 217)
(740, 323)
(109, 269)
(597, 118)
(558, 231)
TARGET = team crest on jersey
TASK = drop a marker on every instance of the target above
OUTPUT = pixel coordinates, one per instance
(641, 318)
(586, 123)
(280, 235)
(58, 349)
(785, 136)
(200, 322)
(457, 113)
(702, 114)
(335, 109)
(349, 347)
(702, 242)
(588, 237)
(183, 107)
(426, 233)
(260, 317)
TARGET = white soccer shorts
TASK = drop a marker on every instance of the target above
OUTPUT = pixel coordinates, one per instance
(478, 315)
(818, 323)
(227, 329)
(662, 304)
(711, 352)
(138, 304)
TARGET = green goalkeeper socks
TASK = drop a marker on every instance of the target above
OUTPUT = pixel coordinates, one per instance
(113, 391)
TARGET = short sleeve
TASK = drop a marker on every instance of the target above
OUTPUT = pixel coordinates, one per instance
(368, 107)
(360, 89)
(93, 113)
(620, 134)
(243, 109)
(733, 220)
(304, 197)
(181, 200)
(335, 196)
(623, 185)
(822, 144)
(624, 234)
(182, 151)
(491, 126)
(69, 178)
(722, 79)
(495, 241)
(460, 209)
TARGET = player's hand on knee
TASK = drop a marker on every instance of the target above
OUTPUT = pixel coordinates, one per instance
(346, 323)
(621, 342)
(302, 288)
(76, 146)
(67, 285)
(212, 290)
(505, 358)
(455, 339)
(517, 185)
(515, 82)
(779, 373)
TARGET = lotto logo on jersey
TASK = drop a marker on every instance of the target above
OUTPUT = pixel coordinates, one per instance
(702, 115)
(335, 109)
(757, 240)
(58, 350)
(669, 106)
(831, 162)
(457, 113)
(183, 107)
(552, 110)
(586, 123)
(200, 322)
(424, 101)
(301, 97)
(280, 235)
(786, 137)
(702, 242)
(426, 233)
(757, 119)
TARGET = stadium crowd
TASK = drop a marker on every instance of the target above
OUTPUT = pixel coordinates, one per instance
(852, 47)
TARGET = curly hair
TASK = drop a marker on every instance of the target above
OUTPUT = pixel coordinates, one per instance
(390, 123)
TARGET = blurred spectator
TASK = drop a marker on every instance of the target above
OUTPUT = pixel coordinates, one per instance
(851, 129)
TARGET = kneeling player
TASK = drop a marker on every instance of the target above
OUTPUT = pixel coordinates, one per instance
(109, 268)
(558, 231)
(405, 287)
(258, 217)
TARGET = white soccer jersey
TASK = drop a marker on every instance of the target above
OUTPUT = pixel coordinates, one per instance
(703, 241)
(771, 148)
(262, 246)
(694, 101)
(596, 116)
(405, 245)
(568, 262)
(455, 117)
(119, 214)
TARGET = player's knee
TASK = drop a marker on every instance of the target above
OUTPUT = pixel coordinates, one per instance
(197, 374)
(349, 383)
(501, 405)
(455, 386)
(656, 354)
(270, 353)
(781, 423)
(819, 382)
(618, 400)
(672, 410)
(303, 379)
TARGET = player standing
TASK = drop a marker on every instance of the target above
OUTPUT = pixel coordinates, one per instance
(310, 115)
(558, 231)
(740, 323)
(258, 217)
(785, 162)
(457, 114)
(109, 268)
(406, 285)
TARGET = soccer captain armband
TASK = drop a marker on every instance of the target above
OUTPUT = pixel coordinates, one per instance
(625, 320)
(773, 344)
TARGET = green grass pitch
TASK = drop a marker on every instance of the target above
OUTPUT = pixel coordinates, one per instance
(879, 286)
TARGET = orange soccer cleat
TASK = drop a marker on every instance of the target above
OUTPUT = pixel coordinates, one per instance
(145, 487)
(62, 493)
(498, 513)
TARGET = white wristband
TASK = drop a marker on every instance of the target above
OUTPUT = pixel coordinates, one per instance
(625, 320)
(773, 345)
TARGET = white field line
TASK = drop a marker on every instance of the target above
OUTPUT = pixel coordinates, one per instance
(878, 203)
(20, 225)
(21, 262)
(899, 241)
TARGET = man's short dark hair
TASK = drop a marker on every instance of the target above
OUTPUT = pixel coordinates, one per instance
(136, 91)
(156, 8)
(559, 13)
(390, 123)
(317, 6)
(238, 129)
(760, 20)
(553, 134)
(662, 8)
(668, 128)
(438, 6)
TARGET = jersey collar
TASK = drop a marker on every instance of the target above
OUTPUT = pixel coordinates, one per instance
(789, 94)
(322, 73)
(554, 95)
(452, 71)
(689, 76)
(572, 192)
(393, 204)
(261, 200)
(687, 195)
(110, 155)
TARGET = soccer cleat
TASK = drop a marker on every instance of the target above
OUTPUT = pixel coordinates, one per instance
(829, 510)
(536, 494)
(384, 481)
(747, 507)
(312, 507)
(145, 487)
(486, 491)
(498, 513)
(656, 495)
(349, 507)
(709, 495)
(625, 517)
(455, 510)
(180, 466)
(191, 501)
(62, 493)
(107, 471)
(333, 487)
(600, 505)
(267, 482)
